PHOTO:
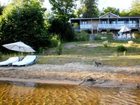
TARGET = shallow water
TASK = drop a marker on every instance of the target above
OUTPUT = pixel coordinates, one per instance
(17, 93)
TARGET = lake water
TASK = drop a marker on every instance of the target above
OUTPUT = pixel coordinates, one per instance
(17, 93)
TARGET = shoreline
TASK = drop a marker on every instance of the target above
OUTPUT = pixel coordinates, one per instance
(74, 74)
(39, 81)
(99, 83)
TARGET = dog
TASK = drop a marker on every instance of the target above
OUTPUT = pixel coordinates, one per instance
(97, 64)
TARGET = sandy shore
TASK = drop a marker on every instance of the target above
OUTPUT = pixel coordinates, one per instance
(74, 73)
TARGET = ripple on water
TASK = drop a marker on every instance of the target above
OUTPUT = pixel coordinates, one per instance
(44, 94)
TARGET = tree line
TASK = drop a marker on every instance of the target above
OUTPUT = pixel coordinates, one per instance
(89, 9)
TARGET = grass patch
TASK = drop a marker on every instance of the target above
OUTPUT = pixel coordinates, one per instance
(87, 52)
(123, 61)
(108, 60)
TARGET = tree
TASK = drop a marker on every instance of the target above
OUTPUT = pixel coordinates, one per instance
(63, 8)
(24, 22)
(1, 9)
(135, 8)
(110, 9)
(79, 12)
(62, 29)
(90, 9)
(124, 13)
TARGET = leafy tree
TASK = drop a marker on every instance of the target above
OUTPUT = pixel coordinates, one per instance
(1, 9)
(124, 13)
(135, 8)
(24, 22)
(110, 9)
(79, 12)
(90, 9)
(61, 28)
(63, 8)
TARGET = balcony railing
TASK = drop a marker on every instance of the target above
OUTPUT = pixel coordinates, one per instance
(107, 26)
(88, 26)
(116, 26)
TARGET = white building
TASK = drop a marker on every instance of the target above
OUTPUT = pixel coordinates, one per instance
(106, 22)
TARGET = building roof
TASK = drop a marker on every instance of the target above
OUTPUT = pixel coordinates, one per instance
(109, 15)
(84, 18)
(106, 16)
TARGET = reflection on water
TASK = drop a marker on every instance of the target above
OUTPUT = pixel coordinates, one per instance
(42, 94)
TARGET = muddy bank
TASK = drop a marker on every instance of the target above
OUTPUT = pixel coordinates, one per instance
(74, 73)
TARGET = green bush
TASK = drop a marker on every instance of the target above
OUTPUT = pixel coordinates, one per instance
(121, 48)
(81, 36)
(105, 43)
(136, 34)
(54, 40)
(41, 50)
(0, 55)
(97, 37)
(104, 36)
(61, 27)
(59, 48)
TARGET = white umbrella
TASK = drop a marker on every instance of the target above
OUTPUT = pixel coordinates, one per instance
(124, 29)
(19, 46)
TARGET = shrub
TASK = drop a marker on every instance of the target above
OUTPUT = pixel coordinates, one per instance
(97, 37)
(105, 43)
(59, 48)
(54, 40)
(121, 48)
(0, 55)
(41, 50)
(104, 36)
(136, 34)
(81, 36)
(130, 42)
(61, 27)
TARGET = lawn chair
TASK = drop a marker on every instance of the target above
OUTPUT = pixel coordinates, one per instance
(9, 61)
(27, 60)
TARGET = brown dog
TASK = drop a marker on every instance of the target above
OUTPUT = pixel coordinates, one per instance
(97, 64)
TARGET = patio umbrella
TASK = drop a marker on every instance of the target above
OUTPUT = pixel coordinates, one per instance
(124, 29)
(19, 46)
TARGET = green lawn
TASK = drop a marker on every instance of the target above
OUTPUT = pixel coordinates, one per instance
(88, 52)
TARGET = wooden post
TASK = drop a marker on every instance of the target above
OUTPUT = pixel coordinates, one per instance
(139, 26)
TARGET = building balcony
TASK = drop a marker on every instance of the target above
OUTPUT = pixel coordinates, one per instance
(88, 26)
(107, 26)
(117, 26)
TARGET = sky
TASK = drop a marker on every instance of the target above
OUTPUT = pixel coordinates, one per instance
(120, 4)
